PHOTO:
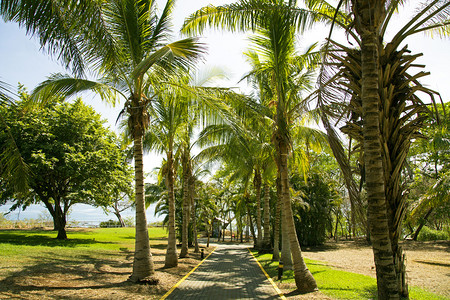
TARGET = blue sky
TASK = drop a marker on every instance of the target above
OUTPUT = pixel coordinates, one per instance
(22, 60)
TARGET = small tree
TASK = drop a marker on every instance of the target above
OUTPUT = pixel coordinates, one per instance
(72, 157)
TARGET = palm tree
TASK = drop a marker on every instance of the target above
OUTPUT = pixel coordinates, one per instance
(207, 208)
(192, 87)
(383, 121)
(170, 116)
(246, 155)
(275, 22)
(138, 45)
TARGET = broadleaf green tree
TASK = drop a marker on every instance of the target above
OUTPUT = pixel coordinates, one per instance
(72, 158)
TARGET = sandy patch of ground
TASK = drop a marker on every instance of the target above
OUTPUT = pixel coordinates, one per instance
(427, 266)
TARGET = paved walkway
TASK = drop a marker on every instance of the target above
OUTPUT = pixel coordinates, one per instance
(230, 272)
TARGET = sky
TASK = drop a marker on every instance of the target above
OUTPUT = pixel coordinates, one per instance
(22, 60)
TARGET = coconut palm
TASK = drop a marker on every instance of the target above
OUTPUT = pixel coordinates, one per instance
(382, 119)
(276, 22)
(138, 55)
(207, 209)
(245, 154)
(193, 90)
(169, 118)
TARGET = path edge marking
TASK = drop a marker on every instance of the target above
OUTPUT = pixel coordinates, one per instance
(186, 276)
(268, 277)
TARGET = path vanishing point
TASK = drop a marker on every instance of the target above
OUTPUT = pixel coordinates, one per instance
(230, 272)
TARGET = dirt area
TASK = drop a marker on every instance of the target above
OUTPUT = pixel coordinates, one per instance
(427, 265)
(94, 278)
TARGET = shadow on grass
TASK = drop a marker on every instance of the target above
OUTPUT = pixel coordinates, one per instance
(36, 239)
(351, 293)
(51, 271)
(333, 283)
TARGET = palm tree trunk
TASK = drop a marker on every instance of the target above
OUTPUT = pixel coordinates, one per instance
(208, 233)
(257, 183)
(194, 214)
(276, 231)
(171, 253)
(143, 263)
(186, 202)
(286, 257)
(252, 228)
(304, 280)
(388, 286)
(266, 245)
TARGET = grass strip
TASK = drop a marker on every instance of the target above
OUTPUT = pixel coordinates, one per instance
(338, 284)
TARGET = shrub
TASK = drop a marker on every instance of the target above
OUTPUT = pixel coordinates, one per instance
(428, 234)
(109, 223)
(312, 213)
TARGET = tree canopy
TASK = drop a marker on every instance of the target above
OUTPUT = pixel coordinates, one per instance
(72, 157)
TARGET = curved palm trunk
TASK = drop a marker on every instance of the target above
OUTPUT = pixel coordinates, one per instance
(286, 257)
(143, 263)
(171, 253)
(208, 232)
(186, 202)
(193, 210)
(304, 280)
(276, 231)
(252, 228)
(257, 183)
(388, 286)
(266, 245)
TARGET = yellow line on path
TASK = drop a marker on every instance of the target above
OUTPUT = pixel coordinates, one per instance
(186, 276)
(268, 277)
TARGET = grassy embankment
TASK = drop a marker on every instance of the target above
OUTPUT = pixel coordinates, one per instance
(335, 283)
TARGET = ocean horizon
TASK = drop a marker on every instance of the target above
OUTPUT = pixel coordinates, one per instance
(83, 214)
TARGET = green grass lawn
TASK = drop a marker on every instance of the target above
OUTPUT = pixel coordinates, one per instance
(94, 239)
(25, 247)
(91, 263)
(338, 284)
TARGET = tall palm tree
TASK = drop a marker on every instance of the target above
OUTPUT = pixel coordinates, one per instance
(192, 87)
(382, 119)
(275, 22)
(131, 66)
(169, 118)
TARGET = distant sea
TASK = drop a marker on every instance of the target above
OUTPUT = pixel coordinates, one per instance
(82, 214)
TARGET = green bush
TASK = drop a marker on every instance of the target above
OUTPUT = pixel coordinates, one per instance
(428, 234)
(313, 212)
(109, 223)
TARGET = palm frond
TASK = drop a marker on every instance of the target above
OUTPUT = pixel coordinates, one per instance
(59, 85)
(161, 26)
(13, 167)
(246, 15)
(180, 53)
